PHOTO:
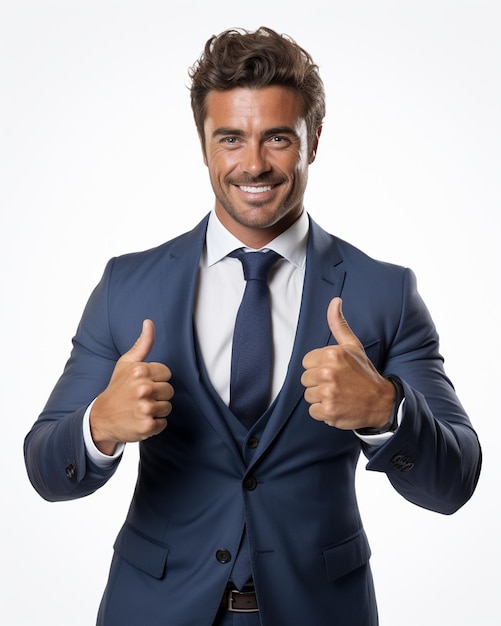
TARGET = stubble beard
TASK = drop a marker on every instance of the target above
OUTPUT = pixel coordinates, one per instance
(258, 221)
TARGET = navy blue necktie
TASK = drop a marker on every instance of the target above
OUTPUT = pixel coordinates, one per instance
(251, 363)
(252, 353)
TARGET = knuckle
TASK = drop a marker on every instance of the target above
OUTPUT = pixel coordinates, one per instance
(144, 408)
(329, 408)
(139, 370)
(326, 373)
(145, 390)
(331, 353)
(328, 392)
(146, 428)
(143, 430)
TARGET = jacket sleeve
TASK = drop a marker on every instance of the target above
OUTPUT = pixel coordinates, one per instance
(54, 449)
(434, 458)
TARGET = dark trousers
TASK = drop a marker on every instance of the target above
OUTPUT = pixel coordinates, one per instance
(227, 618)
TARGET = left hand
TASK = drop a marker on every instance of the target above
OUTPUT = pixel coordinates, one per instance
(343, 387)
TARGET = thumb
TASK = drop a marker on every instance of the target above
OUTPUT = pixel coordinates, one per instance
(144, 343)
(339, 326)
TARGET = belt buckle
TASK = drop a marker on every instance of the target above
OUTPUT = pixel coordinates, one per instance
(232, 594)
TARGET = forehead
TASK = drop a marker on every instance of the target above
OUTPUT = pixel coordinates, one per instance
(245, 108)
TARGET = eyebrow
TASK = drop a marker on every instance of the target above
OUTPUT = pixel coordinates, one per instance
(224, 131)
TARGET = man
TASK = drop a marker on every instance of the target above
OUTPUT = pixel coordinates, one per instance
(244, 511)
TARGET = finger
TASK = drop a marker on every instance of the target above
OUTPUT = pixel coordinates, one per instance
(318, 412)
(148, 409)
(340, 330)
(159, 400)
(160, 425)
(158, 372)
(143, 345)
(319, 359)
(314, 374)
(163, 391)
(162, 410)
(149, 429)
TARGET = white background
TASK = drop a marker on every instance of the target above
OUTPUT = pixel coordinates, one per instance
(99, 156)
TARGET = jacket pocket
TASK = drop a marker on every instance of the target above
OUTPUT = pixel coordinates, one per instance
(146, 554)
(347, 556)
(373, 351)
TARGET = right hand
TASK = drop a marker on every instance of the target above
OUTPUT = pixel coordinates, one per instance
(136, 402)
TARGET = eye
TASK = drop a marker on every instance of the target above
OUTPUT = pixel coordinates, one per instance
(279, 141)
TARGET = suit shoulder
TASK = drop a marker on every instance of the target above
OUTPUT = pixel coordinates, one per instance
(144, 259)
(369, 280)
(354, 256)
(346, 255)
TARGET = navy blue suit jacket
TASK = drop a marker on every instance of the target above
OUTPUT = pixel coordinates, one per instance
(310, 555)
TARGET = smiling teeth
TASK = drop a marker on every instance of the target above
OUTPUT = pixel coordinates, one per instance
(255, 189)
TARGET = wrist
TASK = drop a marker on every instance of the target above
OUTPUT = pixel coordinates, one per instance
(392, 424)
(101, 440)
(98, 457)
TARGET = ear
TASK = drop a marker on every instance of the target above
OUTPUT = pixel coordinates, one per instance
(314, 147)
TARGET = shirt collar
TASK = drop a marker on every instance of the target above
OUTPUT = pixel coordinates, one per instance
(290, 244)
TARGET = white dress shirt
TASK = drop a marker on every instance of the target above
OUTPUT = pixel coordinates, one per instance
(219, 292)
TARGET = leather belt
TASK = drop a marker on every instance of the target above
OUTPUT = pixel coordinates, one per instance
(240, 601)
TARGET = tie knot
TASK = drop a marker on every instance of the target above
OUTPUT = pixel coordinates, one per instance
(256, 265)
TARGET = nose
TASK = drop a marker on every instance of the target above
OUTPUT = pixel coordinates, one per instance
(254, 159)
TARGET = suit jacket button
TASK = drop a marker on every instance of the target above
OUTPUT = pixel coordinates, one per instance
(223, 555)
(253, 442)
(71, 472)
(250, 483)
(402, 462)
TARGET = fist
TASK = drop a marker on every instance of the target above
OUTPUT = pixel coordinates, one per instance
(342, 386)
(136, 402)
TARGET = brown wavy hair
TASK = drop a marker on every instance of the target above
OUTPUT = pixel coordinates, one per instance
(256, 59)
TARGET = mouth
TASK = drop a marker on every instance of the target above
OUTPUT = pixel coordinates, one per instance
(255, 189)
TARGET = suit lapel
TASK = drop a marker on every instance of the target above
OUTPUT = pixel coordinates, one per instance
(178, 289)
(323, 281)
(179, 282)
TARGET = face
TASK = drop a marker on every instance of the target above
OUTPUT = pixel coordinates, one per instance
(256, 150)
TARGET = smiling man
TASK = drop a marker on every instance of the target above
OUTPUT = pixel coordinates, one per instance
(257, 151)
(251, 392)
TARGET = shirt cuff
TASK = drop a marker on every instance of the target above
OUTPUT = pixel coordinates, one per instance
(95, 455)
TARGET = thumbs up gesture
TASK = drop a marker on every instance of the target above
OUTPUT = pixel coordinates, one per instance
(136, 402)
(343, 387)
